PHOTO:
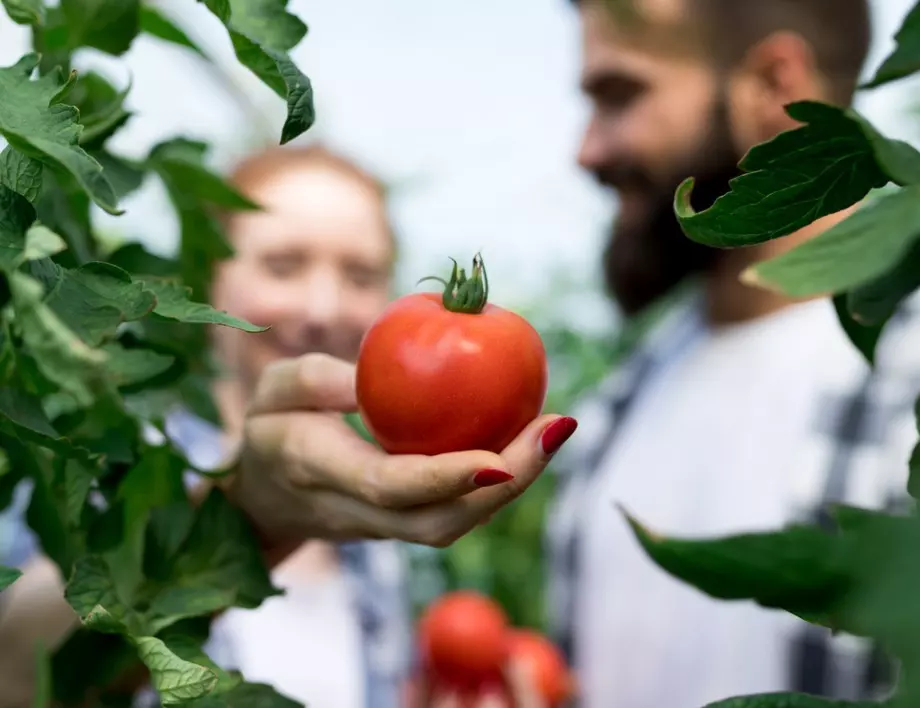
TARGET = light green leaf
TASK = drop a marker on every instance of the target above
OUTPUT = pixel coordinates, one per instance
(175, 679)
(61, 355)
(16, 216)
(91, 587)
(866, 245)
(798, 569)
(178, 603)
(156, 24)
(188, 646)
(20, 173)
(173, 303)
(107, 25)
(34, 121)
(905, 59)
(41, 242)
(8, 576)
(801, 175)
(247, 695)
(25, 12)
(261, 31)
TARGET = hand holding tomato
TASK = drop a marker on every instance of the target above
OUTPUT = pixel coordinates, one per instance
(305, 473)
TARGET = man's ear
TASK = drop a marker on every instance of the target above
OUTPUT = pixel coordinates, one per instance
(779, 70)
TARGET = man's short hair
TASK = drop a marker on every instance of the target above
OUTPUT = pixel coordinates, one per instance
(838, 31)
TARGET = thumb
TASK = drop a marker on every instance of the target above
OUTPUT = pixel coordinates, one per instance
(313, 382)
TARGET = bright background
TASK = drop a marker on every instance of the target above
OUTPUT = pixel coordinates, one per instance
(469, 109)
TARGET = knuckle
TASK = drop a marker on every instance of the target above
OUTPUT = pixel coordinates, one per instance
(311, 371)
(436, 532)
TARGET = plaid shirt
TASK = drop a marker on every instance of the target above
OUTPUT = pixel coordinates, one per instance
(856, 454)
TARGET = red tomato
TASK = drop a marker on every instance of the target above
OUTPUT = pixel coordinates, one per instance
(545, 664)
(463, 640)
(450, 372)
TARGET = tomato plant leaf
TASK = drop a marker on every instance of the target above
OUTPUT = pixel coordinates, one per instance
(788, 700)
(25, 12)
(41, 242)
(156, 24)
(905, 59)
(107, 25)
(101, 108)
(62, 357)
(864, 337)
(16, 216)
(125, 176)
(866, 245)
(247, 695)
(799, 569)
(175, 679)
(33, 120)
(178, 603)
(8, 576)
(830, 163)
(94, 299)
(20, 173)
(261, 32)
(173, 303)
(127, 367)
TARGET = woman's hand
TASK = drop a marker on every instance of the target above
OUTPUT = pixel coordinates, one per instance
(304, 473)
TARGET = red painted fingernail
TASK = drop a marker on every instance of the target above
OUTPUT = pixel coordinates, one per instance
(556, 434)
(491, 477)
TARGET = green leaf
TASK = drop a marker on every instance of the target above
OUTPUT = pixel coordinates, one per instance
(247, 695)
(788, 700)
(864, 337)
(42, 242)
(20, 173)
(905, 59)
(62, 357)
(876, 301)
(8, 576)
(127, 367)
(25, 12)
(34, 121)
(799, 569)
(175, 679)
(125, 175)
(156, 24)
(913, 481)
(866, 245)
(801, 175)
(101, 108)
(16, 216)
(261, 31)
(186, 643)
(177, 603)
(107, 25)
(173, 303)
(94, 299)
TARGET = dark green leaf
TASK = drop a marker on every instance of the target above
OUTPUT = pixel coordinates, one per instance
(875, 302)
(248, 695)
(261, 32)
(20, 173)
(16, 216)
(128, 367)
(135, 259)
(107, 25)
(864, 337)
(101, 108)
(8, 576)
(91, 587)
(47, 512)
(125, 176)
(65, 209)
(913, 481)
(25, 411)
(801, 175)
(87, 660)
(173, 303)
(34, 121)
(788, 700)
(865, 246)
(178, 603)
(799, 569)
(25, 12)
(905, 59)
(156, 24)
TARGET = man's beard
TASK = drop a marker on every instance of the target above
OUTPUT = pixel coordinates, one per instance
(646, 259)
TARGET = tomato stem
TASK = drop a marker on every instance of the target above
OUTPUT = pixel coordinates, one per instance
(467, 295)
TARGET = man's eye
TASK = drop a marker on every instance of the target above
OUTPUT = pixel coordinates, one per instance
(282, 266)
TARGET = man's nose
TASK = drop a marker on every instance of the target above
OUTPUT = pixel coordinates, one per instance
(322, 297)
(598, 150)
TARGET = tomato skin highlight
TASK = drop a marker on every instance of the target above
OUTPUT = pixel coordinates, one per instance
(463, 641)
(432, 381)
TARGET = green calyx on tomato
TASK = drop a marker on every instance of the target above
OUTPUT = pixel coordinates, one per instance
(466, 295)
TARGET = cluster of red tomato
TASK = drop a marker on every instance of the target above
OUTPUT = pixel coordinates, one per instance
(467, 644)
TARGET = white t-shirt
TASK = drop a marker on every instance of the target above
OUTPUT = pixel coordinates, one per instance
(708, 448)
